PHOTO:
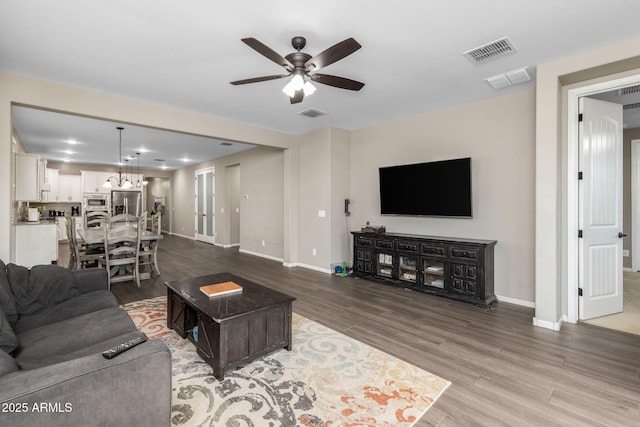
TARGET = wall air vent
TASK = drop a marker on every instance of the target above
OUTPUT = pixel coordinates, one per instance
(629, 90)
(631, 106)
(312, 113)
(490, 51)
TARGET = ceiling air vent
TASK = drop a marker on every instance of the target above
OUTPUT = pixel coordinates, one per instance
(509, 78)
(629, 90)
(631, 106)
(226, 144)
(312, 113)
(490, 51)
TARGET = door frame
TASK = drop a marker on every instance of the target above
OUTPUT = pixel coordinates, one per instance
(573, 147)
(211, 169)
(635, 204)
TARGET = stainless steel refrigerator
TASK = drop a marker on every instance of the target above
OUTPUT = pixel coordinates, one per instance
(126, 202)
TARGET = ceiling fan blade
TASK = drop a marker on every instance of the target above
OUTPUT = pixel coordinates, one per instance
(341, 82)
(259, 79)
(267, 52)
(333, 54)
(298, 97)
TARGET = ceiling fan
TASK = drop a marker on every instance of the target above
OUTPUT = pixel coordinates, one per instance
(303, 66)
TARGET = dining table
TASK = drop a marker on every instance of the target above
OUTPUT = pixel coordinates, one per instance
(95, 236)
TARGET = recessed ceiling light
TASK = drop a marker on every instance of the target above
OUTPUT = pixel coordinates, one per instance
(72, 141)
(69, 152)
(66, 160)
(185, 159)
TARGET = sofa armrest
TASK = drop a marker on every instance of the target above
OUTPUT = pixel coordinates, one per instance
(133, 388)
(91, 279)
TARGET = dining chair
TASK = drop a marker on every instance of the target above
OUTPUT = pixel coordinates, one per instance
(81, 256)
(95, 218)
(121, 249)
(123, 220)
(149, 248)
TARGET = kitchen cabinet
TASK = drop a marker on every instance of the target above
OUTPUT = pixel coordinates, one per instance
(30, 173)
(36, 244)
(92, 181)
(63, 188)
(70, 188)
(52, 179)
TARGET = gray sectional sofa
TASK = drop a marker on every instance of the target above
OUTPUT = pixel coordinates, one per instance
(54, 326)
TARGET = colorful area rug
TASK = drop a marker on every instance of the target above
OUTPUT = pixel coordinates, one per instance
(328, 379)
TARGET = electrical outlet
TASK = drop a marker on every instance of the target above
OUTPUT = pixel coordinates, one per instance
(625, 252)
(314, 252)
(264, 243)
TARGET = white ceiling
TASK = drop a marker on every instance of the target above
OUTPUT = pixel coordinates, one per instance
(184, 54)
(68, 138)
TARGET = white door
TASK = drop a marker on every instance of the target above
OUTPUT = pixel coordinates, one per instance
(205, 181)
(600, 209)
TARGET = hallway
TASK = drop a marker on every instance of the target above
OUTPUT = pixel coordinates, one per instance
(629, 319)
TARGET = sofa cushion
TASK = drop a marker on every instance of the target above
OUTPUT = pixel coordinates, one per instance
(8, 339)
(76, 306)
(96, 348)
(39, 346)
(7, 301)
(7, 363)
(41, 287)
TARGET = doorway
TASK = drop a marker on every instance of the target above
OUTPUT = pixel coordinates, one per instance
(232, 191)
(572, 169)
(205, 205)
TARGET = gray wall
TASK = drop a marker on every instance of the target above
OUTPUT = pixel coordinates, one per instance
(260, 187)
(498, 134)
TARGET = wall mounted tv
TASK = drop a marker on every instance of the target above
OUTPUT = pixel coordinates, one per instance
(441, 188)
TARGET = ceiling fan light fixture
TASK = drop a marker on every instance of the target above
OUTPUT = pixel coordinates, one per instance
(308, 89)
(289, 89)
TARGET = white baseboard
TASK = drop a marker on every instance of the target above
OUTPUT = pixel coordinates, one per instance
(182, 235)
(244, 251)
(515, 301)
(226, 246)
(313, 267)
(554, 326)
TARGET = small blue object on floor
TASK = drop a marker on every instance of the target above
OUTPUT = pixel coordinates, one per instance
(195, 333)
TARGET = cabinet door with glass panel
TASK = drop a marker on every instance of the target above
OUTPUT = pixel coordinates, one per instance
(433, 265)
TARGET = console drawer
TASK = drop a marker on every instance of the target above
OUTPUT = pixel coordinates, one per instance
(364, 241)
(464, 253)
(433, 249)
(407, 246)
(384, 244)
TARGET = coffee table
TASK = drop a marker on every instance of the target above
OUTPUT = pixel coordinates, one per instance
(233, 329)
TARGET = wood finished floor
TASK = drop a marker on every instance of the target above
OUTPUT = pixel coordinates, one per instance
(504, 371)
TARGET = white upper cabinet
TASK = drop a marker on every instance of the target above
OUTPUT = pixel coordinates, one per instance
(30, 177)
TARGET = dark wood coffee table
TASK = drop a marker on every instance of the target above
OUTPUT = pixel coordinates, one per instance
(233, 329)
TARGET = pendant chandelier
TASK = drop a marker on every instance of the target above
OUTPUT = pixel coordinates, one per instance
(121, 181)
(144, 182)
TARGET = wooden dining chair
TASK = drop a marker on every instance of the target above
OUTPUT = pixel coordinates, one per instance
(95, 218)
(149, 248)
(81, 255)
(121, 248)
(123, 220)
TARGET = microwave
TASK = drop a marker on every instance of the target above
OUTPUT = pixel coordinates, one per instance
(96, 202)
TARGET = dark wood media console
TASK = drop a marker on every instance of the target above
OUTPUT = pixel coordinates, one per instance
(451, 267)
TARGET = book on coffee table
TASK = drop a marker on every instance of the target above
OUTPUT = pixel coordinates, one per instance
(218, 289)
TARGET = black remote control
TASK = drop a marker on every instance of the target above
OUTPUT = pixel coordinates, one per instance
(121, 348)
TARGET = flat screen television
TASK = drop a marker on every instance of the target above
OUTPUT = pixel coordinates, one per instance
(441, 188)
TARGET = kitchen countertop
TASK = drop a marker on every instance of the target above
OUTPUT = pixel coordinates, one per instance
(41, 222)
